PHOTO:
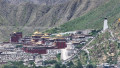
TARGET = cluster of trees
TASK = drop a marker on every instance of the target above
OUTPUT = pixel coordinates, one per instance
(72, 65)
(68, 65)
(79, 46)
(14, 65)
(90, 66)
(119, 45)
(50, 62)
(57, 65)
(20, 65)
(58, 56)
(94, 32)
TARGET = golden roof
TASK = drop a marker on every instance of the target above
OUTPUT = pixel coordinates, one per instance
(46, 34)
(45, 37)
(59, 35)
(119, 20)
(37, 32)
(37, 35)
(59, 38)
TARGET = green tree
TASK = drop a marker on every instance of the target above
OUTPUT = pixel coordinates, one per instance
(32, 63)
(57, 65)
(58, 56)
(118, 45)
(50, 62)
(90, 66)
(63, 66)
(70, 64)
(15, 65)
(79, 65)
(9, 66)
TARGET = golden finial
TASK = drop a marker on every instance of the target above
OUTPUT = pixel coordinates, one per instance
(119, 20)
(59, 35)
(37, 32)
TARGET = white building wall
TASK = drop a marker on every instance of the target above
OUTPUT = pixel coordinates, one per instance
(105, 26)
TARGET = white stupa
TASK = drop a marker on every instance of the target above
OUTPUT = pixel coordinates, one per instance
(65, 53)
(105, 26)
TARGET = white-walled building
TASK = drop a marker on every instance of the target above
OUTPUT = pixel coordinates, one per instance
(105, 26)
(68, 51)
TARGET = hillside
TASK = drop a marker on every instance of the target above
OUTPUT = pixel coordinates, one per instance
(40, 2)
(105, 48)
(26, 16)
(93, 19)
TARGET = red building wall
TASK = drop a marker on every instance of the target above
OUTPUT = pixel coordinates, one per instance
(60, 45)
(15, 37)
(34, 50)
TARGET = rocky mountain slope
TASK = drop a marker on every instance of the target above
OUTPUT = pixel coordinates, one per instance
(40, 2)
(93, 19)
(29, 16)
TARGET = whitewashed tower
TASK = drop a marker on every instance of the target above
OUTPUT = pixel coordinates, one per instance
(64, 54)
(68, 51)
(105, 26)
